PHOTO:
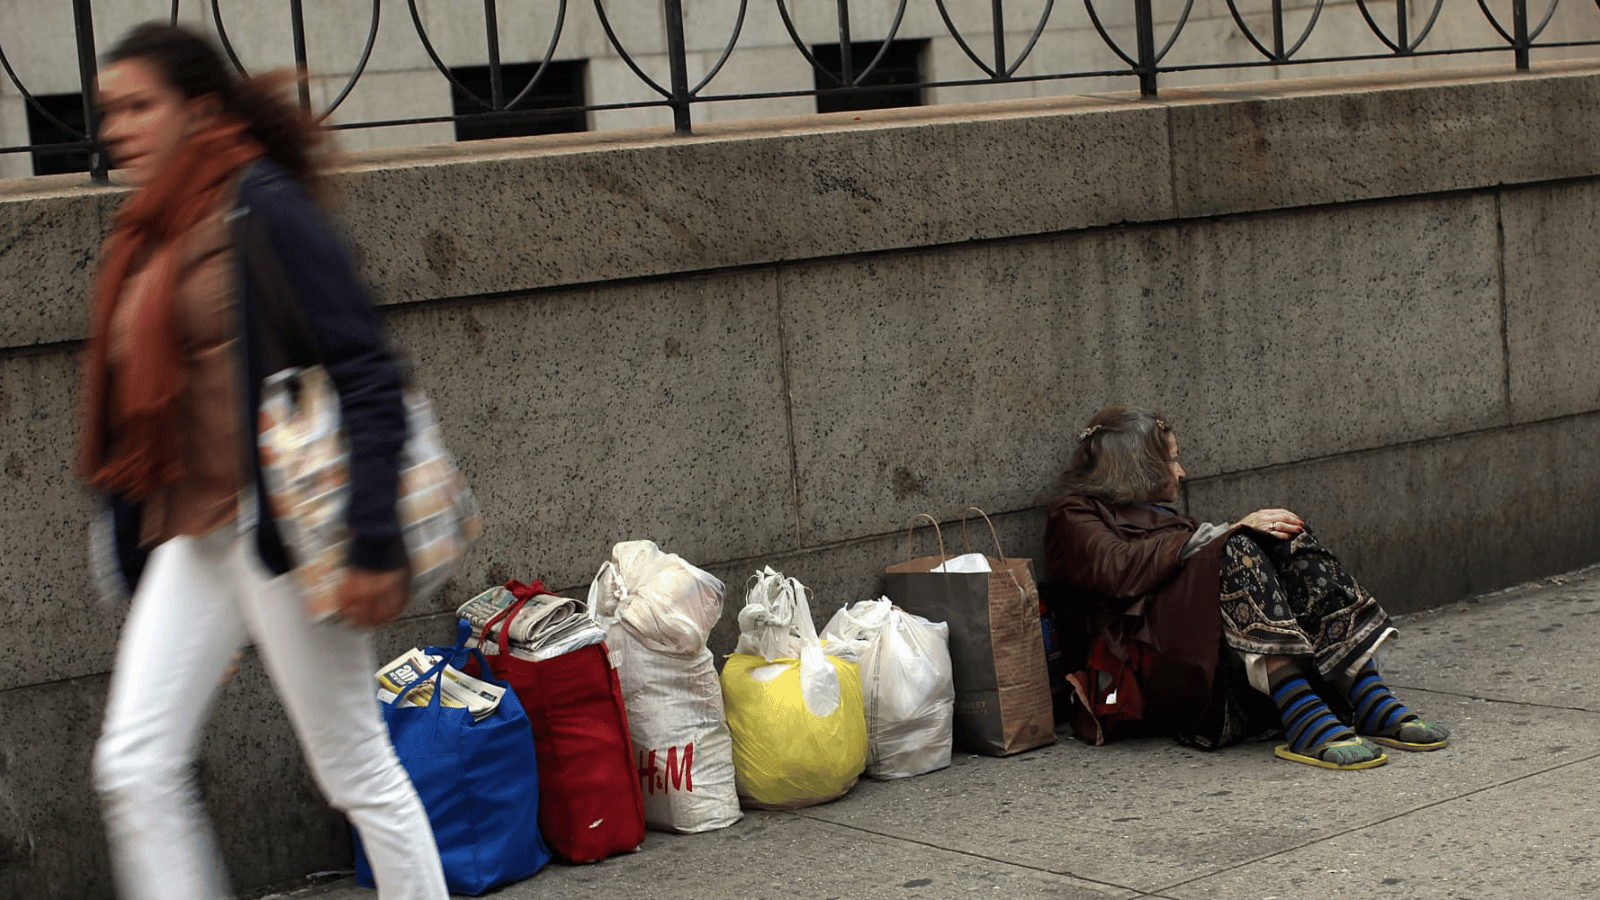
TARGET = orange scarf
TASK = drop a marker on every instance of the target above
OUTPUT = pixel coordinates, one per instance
(131, 440)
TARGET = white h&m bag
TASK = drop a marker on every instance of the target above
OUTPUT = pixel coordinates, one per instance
(658, 612)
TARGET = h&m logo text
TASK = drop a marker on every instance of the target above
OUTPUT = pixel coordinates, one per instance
(676, 774)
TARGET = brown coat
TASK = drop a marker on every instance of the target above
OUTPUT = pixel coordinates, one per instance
(1116, 574)
(209, 419)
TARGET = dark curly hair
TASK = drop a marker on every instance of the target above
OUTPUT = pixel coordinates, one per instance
(1123, 456)
(193, 65)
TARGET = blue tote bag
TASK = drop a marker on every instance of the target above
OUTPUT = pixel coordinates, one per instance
(479, 782)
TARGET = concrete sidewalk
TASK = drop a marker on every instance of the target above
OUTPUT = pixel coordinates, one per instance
(1509, 810)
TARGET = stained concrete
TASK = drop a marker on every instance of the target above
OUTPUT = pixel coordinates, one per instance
(967, 372)
(45, 586)
(1550, 313)
(585, 418)
(50, 230)
(1358, 138)
(1455, 499)
(734, 198)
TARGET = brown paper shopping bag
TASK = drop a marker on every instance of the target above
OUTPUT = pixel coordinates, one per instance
(1002, 684)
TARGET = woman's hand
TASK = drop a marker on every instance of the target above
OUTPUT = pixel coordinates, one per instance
(1280, 523)
(369, 599)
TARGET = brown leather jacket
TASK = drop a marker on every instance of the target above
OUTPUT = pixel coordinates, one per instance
(1117, 575)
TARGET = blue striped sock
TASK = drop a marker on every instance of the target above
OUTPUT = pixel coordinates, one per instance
(1376, 710)
(1306, 718)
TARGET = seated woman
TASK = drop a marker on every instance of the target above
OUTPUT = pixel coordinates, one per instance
(1188, 628)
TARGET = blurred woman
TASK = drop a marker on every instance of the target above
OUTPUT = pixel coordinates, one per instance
(1214, 633)
(172, 381)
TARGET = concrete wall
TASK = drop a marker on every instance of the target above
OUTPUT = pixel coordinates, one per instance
(1367, 300)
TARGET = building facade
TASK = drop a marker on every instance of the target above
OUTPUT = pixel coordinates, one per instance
(602, 55)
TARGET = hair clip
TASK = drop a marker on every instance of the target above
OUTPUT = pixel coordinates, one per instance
(1084, 434)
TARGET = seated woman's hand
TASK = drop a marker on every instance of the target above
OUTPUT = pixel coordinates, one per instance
(1279, 523)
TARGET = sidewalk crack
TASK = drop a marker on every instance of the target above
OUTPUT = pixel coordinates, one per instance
(1381, 821)
(1487, 699)
(970, 854)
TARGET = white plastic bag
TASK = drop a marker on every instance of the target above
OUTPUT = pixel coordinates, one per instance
(907, 684)
(776, 624)
(658, 611)
(966, 562)
(796, 714)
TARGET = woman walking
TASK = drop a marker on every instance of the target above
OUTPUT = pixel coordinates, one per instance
(172, 381)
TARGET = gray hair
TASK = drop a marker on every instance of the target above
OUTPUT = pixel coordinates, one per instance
(1122, 456)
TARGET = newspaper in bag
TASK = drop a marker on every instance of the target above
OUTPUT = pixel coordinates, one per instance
(547, 626)
(460, 689)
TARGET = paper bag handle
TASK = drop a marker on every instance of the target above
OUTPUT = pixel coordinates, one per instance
(999, 553)
(912, 530)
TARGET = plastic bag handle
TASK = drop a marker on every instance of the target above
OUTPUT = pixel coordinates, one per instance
(620, 590)
(999, 553)
(912, 530)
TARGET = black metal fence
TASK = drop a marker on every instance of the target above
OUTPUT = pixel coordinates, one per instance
(1395, 35)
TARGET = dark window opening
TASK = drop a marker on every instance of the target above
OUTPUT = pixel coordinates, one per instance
(69, 109)
(889, 85)
(560, 87)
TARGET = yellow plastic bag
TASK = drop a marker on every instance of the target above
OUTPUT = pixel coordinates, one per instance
(783, 755)
(798, 721)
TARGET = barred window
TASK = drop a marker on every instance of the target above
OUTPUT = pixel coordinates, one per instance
(69, 109)
(561, 86)
(891, 84)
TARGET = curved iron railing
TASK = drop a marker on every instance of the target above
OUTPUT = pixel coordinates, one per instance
(1143, 62)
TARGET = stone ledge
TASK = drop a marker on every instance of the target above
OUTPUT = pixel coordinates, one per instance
(1339, 140)
(534, 213)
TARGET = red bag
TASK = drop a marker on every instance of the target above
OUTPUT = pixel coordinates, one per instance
(1107, 692)
(590, 803)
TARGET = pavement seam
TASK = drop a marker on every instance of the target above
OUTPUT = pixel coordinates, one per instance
(1161, 891)
(1485, 699)
(968, 853)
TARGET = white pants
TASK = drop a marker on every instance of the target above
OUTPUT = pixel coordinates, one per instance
(198, 601)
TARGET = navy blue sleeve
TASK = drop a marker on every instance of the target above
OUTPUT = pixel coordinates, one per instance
(349, 337)
(126, 517)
